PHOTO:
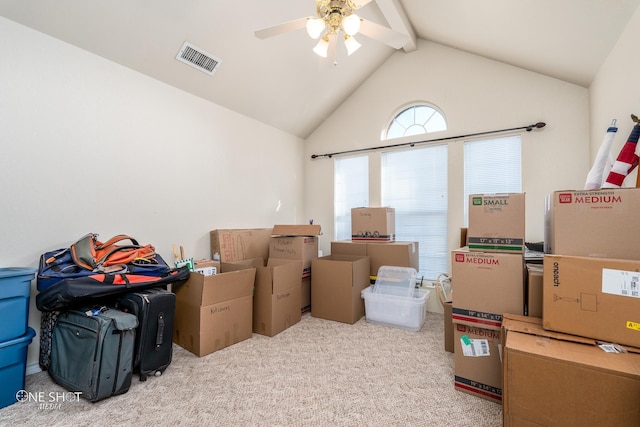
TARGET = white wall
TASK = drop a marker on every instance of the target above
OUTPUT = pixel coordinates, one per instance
(476, 95)
(615, 92)
(90, 146)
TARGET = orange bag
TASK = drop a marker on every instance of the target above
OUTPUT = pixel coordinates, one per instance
(108, 257)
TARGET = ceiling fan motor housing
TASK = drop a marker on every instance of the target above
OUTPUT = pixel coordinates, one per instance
(334, 11)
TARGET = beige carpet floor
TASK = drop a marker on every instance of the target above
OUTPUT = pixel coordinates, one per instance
(316, 373)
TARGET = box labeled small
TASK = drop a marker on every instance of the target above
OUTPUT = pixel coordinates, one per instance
(496, 222)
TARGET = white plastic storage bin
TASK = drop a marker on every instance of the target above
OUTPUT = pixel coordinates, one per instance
(406, 312)
(398, 281)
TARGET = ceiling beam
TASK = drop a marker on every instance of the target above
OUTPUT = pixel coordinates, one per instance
(396, 16)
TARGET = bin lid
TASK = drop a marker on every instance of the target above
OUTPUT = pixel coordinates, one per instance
(6, 272)
(25, 339)
(399, 281)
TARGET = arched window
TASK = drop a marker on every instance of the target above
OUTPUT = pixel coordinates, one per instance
(416, 120)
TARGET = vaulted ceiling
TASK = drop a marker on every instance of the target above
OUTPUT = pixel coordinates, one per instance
(281, 82)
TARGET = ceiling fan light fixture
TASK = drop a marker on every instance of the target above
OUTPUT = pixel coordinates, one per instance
(315, 27)
(351, 44)
(351, 24)
(322, 47)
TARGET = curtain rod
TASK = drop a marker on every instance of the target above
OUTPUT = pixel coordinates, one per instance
(528, 128)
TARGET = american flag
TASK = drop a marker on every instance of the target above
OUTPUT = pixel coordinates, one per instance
(602, 165)
(627, 159)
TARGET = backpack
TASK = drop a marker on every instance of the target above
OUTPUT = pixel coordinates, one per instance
(88, 256)
(90, 253)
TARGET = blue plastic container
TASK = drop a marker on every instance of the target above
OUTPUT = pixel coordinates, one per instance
(13, 367)
(15, 289)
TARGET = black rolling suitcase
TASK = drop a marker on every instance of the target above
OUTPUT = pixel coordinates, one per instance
(155, 309)
(92, 351)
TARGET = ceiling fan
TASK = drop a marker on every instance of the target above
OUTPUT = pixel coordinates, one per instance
(333, 18)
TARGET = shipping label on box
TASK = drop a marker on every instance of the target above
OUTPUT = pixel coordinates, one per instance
(478, 367)
(496, 222)
(486, 286)
(595, 223)
(592, 297)
(373, 224)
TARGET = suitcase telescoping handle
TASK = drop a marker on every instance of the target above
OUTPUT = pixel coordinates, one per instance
(160, 334)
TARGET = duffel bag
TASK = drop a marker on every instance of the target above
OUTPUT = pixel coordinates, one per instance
(74, 292)
(88, 256)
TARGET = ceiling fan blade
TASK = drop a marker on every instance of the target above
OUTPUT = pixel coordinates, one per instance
(383, 34)
(285, 27)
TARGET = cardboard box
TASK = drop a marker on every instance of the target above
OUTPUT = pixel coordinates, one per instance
(336, 286)
(486, 286)
(595, 223)
(478, 364)
(277, 295)
(239, 244)
(214, 312)
(496, 222)
(296, 248)
(448, 327)
(295, 242)
(463, 237)
(296, 230)
(306, 295)
(592, 297)
(533, 300)
(350, 247)
(444, 286)
(553, 379)
(373, 224)
(399, 254)
(207, 267)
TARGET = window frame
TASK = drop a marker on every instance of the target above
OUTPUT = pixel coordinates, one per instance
(384, 135)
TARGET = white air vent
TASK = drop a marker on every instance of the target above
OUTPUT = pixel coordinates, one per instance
(198, 58)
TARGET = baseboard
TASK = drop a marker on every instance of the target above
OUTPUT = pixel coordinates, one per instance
(33, 368)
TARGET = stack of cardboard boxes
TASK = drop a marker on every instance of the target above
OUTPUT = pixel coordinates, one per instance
(262, 286)
(566, 368)
(374, 235)
(488, 280)
(354, 263)
(292, 242)
(298, 243)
